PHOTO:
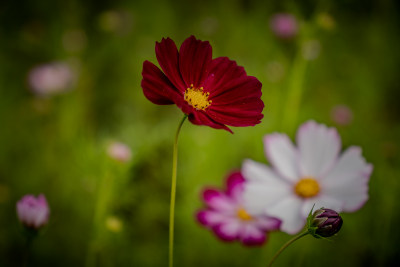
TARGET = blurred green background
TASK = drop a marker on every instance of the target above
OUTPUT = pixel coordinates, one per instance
(105, 212)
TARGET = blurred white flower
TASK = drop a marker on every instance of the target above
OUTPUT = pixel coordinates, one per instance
(119, 151)
(50, 78)
(312, 173)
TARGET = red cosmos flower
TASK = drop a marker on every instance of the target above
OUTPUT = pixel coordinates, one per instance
(214, 92)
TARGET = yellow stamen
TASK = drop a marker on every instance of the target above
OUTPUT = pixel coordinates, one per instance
(307, 187)
(243, 215)
(197, 98)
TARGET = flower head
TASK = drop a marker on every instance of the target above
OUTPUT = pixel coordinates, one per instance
(33, 212)
(324, 223)
(312, 172)
(284, 25)
(119, 152)
(213, 92)
(226, 216)
(50, 78)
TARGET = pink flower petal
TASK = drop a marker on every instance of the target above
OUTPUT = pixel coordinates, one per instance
(234, 186)
(211, 218)
(267, 223)
(282, 155)
(252, 236)
(228, 231)
(218, 201)
(318, 147)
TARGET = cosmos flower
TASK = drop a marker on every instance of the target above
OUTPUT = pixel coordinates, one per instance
(213, 92)
(284, 25)
(342, 115)
(50, 78)
(311, 173)
(226, 216)
(33, 212)
(119, 152)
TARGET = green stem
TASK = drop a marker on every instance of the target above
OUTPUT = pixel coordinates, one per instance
(173, 194)
(286, 245)
(295, 88)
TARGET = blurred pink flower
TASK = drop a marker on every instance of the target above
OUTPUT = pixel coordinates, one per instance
(341, 115)
(119, 151)
(33, 212)
(226, 216)
(284, 25)
(312, 173)
(51, 78)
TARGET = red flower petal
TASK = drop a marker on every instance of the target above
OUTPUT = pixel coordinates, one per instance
(168, 58)
(156, 86)
(222, 73)
(243, 114)
(194, 61)
(229, 83)
(200, 118)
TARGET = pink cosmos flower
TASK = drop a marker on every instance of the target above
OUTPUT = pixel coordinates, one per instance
(311, 173)
(226, 216)
(284, 25)
(119, 151)
(213, 92)
(33, 212)
(342, 115)
(50, 78)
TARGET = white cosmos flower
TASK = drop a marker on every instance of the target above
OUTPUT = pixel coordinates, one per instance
(311, 173)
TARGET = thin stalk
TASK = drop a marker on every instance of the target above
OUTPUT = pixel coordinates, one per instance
(295, 90)
(173, 194)
(286, 245)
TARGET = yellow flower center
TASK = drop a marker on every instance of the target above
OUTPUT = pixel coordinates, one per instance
(197, 98)
(307, 187)
(243, 215)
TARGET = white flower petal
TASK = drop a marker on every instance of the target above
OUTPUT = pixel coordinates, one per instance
(282, 154)
(318, 148)
(255, 171)
(348, 180)
(262, 188)
(320, 201)
(289, 211)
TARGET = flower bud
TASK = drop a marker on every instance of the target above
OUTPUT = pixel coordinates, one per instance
(33, 212)
(324, 223)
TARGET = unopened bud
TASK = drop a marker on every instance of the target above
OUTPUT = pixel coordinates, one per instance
(324, 223)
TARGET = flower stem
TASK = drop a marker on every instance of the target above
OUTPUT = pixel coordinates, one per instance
(173, 194)
(295, 88)
(286, 245)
